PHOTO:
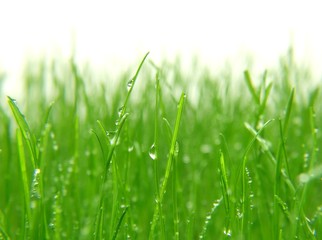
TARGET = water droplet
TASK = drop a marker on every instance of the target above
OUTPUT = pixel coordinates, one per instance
(130, 84)
(123, 206)
(306, 160)
(304, 178)
(35, 188)
(205, 148)
(176, 149)
(216, 203)
(130, 148)
(52, 135)
(121, 111)
(227, 232)
(111, 136)
(51, 225)
(186, 159)
(152, 152)
(55, 146)
(87, 153)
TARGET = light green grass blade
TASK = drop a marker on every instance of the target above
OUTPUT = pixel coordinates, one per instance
(288, 112)
(25, 183)
(130, 85)
(25, 130)
(251, 87)
(172, 153)
(225, 190)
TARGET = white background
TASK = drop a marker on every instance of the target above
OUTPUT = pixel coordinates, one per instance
(122, 31)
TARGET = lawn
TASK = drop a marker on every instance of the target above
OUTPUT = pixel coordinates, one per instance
(161, 153)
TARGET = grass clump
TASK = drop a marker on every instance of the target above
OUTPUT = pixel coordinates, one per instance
(138, 158)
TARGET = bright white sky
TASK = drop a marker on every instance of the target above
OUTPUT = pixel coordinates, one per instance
(124, 30)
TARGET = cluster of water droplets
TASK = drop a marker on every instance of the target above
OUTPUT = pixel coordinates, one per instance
(56, 212)
(227, 232)
(35, 188)
(306, 158)
(53, 138)
(251, 193)
(208, 218)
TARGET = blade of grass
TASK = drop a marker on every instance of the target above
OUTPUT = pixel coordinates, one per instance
(251, 87)
(25, 130)
(242, 172)
(303, 196)
(154, 151)
(225, 191)
(175, 193)
(277, 183)
(25, 184)
(131, 84)
(172, 151)
(117, 228)
(98, 229)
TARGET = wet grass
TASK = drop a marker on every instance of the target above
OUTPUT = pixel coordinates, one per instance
(161, 154)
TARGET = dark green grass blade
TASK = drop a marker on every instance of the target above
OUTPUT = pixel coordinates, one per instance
(117, 228)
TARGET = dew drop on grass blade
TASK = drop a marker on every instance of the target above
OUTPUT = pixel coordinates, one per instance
(152, 152)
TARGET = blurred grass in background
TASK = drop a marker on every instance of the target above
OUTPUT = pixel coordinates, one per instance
(161, 153)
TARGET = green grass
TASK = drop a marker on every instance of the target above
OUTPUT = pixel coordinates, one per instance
(164, 154)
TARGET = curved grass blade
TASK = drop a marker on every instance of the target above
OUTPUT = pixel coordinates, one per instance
(25, 130)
